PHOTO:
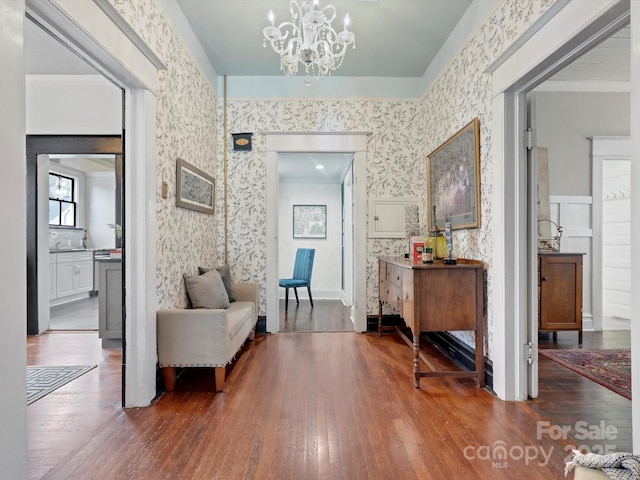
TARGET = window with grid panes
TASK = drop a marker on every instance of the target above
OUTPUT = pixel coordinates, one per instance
(62, 200)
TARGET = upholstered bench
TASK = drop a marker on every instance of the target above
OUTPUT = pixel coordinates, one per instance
(584, 473)
(206, 336)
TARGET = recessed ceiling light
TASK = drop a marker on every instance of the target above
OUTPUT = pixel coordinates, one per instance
(319, 167)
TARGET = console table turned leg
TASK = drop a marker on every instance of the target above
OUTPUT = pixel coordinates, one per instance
(416, 360)
(379, 319)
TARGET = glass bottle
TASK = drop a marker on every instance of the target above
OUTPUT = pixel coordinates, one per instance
(438, 243)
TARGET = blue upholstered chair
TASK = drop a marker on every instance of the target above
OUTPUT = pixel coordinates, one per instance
(302, 269)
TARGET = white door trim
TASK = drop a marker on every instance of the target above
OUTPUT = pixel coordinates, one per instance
(355, 143)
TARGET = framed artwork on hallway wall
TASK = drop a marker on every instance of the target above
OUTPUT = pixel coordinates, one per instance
(194, 188)
(309, 221)
(453, 180)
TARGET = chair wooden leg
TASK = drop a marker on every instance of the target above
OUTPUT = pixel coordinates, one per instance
(169, 378)
(295, 290)
(286, 299)
(220, 373)
(310, 297)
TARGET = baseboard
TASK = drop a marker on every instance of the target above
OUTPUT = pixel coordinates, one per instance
(462, 354)
(318, 294)
(261, 326)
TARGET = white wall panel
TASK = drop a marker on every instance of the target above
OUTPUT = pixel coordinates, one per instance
(327, 267)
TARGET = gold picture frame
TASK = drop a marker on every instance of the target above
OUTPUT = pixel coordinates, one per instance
(453, 180)
(194, 188)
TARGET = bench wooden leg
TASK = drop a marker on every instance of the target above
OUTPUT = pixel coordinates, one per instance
(169, 378)
(220, 373)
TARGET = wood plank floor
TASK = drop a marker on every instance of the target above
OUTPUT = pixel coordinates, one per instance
(306, 406)
(325, 316)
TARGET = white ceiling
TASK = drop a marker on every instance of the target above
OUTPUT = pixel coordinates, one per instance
(302, 167)
(609, 61)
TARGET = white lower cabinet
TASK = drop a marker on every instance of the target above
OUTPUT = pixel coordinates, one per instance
(74, 274)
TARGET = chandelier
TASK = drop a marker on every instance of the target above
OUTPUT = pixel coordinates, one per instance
(309, 39)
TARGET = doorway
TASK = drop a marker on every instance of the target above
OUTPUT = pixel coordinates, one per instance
(352, 144)
(513, 75)
(316, 191)
(129, 64)
(39, 150)
(76, 253)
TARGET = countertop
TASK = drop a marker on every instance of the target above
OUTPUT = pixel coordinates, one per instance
(76, 249)
(70, 249)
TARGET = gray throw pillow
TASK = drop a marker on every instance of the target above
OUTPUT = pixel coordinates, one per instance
(207, 290)
(225, 273)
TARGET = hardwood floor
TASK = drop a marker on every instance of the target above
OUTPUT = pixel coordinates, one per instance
(307, 406)
(64, 420)
(325, 316)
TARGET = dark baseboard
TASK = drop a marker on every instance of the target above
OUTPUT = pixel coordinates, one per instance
(387, 320)
(261, 326)
(462, 354)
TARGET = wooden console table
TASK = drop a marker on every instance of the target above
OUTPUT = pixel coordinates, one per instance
(434, 298)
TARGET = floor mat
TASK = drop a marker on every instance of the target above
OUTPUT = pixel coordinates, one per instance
(609, 368)
(44, 380)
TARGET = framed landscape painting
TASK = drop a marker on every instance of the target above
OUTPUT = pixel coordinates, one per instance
(453, 180)
(194, 188)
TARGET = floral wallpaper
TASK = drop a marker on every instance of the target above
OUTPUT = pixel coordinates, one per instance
(189, 112)
(186, 126)
(395, 167)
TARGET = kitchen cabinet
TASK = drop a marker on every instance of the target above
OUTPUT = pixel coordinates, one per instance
(110, 302)
(560, 293)
(73, 275)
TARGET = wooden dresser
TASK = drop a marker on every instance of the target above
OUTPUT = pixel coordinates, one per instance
(560, 293)
(433, 298)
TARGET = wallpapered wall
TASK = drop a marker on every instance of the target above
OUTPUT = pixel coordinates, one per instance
(395, 167)
(396, 163)
(185, 129)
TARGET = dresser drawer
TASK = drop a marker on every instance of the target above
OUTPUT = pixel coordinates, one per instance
(394, 297)
(394, 276)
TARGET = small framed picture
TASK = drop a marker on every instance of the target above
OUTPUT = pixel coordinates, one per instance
(194, 188)
(309, 221)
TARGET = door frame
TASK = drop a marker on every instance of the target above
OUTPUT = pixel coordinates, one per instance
(354, 143)
(550, 44)
(67, 145)
(98, 33)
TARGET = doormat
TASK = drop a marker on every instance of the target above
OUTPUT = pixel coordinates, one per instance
(44, 380)
(609, 368)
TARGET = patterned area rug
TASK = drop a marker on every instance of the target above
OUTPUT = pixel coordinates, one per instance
(44, 380)
(609, 368)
